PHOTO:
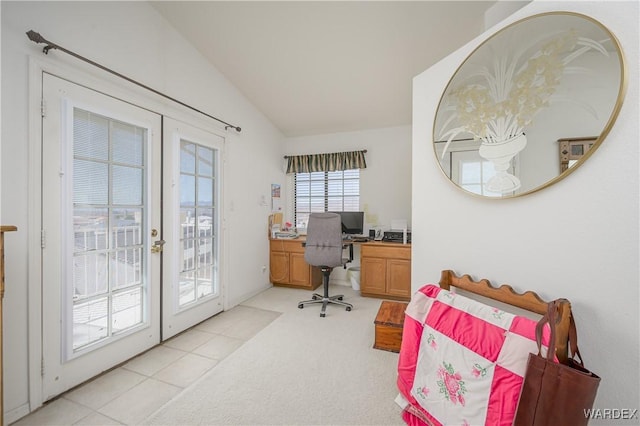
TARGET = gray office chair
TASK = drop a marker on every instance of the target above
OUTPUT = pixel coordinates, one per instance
(323, 248)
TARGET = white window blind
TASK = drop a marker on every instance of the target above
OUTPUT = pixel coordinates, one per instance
(325, 191)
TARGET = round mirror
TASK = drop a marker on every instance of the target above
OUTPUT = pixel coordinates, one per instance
(529, 105)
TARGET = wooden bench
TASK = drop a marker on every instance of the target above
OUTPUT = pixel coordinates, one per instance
(389, 322)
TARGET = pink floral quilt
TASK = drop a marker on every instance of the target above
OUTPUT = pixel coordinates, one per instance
(462, 362)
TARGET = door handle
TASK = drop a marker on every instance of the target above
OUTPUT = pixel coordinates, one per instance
(157, 246)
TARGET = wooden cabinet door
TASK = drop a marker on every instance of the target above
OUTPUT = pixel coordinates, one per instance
(279, 267)
(372, 275)
(399, 277)
(299, 270)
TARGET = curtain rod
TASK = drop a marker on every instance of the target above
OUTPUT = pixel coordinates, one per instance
(37, 38)
(287, 156)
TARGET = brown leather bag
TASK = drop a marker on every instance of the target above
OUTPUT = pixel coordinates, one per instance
(553, 393)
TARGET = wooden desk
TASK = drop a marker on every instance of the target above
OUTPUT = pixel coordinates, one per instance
(385, 270)
(385, 267)
(287, 266)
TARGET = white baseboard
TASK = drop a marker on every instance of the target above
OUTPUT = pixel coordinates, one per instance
(236, 301)
(16, 414)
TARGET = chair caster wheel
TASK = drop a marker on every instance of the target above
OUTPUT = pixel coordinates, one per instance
(300, 306)
(348, 308)
(339, 298)
(315, 297)
(323, 315)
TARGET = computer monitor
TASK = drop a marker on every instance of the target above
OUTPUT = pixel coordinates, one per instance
(352, 222)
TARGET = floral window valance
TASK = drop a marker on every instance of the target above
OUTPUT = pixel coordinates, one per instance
(329, 162)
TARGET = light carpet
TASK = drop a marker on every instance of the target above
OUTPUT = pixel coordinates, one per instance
(299, 370)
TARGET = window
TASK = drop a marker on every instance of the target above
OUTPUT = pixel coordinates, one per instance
(325, 191)
(467, 169)
(473, 172)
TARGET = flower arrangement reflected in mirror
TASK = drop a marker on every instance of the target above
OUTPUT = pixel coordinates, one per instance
(497, 102)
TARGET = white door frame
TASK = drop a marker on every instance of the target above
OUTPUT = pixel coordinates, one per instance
(107, 84)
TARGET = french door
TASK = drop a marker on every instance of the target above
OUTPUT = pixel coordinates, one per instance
(103, 240)
(192, 229)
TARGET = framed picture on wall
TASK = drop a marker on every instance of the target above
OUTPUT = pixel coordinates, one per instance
(573, 149)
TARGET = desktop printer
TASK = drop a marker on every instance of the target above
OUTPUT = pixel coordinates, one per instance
(396, 236)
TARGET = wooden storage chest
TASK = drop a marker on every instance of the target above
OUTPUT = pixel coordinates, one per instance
(388, 323)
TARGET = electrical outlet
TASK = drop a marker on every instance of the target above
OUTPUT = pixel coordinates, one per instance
(264, 269)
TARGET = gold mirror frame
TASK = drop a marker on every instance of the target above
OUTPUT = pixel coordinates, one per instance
(552, 49)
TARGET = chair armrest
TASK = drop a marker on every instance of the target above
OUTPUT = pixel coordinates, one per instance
(348, 245)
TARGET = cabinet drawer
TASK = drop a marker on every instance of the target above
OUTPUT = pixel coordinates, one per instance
(290, 246)
(399, 251)
(294, 246)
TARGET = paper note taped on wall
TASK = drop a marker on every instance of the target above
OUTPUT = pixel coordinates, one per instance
(398, 224)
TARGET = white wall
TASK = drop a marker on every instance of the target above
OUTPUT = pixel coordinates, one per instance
(133, 39)
(385, 185)
(501, 10)
(576, 239)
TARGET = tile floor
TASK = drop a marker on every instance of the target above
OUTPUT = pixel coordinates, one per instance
(155, 377)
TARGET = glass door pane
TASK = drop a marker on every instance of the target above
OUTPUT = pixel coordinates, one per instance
(108, 289)
(197, 277)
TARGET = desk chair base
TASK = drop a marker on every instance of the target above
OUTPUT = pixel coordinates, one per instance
(316, 298)
(326, 299)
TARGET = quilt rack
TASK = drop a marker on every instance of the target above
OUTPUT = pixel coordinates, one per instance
(529, 301)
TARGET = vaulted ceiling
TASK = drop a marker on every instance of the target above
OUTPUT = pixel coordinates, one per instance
(315, 67)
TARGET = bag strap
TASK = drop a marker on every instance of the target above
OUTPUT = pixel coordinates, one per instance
(573, 342)
(549, 317)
